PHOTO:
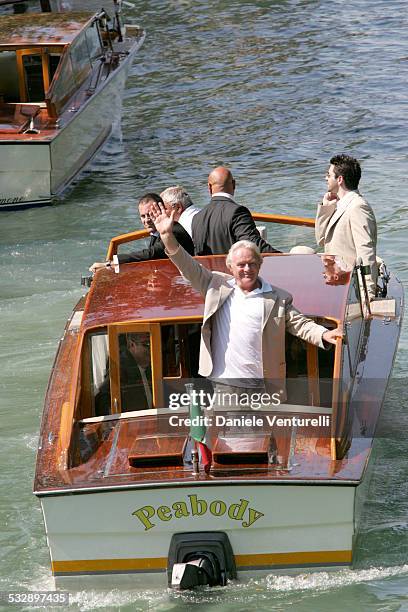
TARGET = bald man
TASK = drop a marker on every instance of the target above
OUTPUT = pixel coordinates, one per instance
(223, 222)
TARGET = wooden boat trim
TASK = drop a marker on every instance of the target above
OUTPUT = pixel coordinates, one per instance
(68, 410)
(219, 482)
(335, 396)
(123, 239)
(264, 217)
(289, 408)
(283, 219)
(313, 374)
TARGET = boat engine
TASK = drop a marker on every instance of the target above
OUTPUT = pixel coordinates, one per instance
(200, 558)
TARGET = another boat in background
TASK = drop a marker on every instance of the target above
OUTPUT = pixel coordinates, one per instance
(62, 75)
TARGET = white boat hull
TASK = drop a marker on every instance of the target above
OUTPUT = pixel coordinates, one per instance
(34, 172)
(269, 526)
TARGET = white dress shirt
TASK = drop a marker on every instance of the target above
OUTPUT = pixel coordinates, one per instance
(224, 194)
(186, 217)
(236, 339)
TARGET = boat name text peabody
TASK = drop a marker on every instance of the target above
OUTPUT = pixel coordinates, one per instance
(198, 507)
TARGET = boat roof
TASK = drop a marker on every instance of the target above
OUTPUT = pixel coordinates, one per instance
(42, 28)
(155, 290)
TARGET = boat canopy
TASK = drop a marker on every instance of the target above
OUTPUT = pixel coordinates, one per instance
(41, 29)
(155, 290)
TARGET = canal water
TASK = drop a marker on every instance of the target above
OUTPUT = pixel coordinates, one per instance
(272, 89)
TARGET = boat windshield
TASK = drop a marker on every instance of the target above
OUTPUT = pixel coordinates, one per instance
(121, 366)
(76, 66)
(138, 369)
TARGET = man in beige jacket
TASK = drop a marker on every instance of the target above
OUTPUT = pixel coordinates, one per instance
(345, 223)
(245, 318)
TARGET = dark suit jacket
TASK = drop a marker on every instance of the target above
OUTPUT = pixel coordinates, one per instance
(222, 223)
(155, 250)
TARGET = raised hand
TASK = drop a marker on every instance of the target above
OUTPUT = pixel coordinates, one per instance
(329, 198)
(164, 225)
(162, 221)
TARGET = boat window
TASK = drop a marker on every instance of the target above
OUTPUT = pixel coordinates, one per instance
(135, 371)
(81, 63)
(29, 6)
(309, 372)
(62, 88)
(93, 40)
(9, 90)
(353, 323)
(33, 76)
(100, 387)
(180, 350)
(53, 64)
(75, 67)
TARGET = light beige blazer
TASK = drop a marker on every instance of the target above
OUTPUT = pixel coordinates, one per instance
(350, 233)
(278, 315)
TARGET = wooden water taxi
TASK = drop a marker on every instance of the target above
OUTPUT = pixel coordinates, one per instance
(62, 75)
(118, 488)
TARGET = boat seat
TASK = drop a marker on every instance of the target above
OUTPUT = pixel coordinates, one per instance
(160, 449)
(14, 118)
(232, 449)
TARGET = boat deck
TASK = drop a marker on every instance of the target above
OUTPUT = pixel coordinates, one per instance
(13, 123)
(100, 447)
(156, 290)
(108, 442)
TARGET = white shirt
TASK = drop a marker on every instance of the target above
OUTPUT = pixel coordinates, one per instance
(236, 338)
(224, 194)
(186, 217)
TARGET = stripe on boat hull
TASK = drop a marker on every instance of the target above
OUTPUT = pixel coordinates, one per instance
(244, 562)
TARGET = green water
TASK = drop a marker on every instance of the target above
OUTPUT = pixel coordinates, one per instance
(272, 89)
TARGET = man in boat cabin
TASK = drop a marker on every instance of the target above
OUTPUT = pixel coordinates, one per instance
(155, 250)
(223, 222)
(135, 376)
(242, 346)
(345, 223)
